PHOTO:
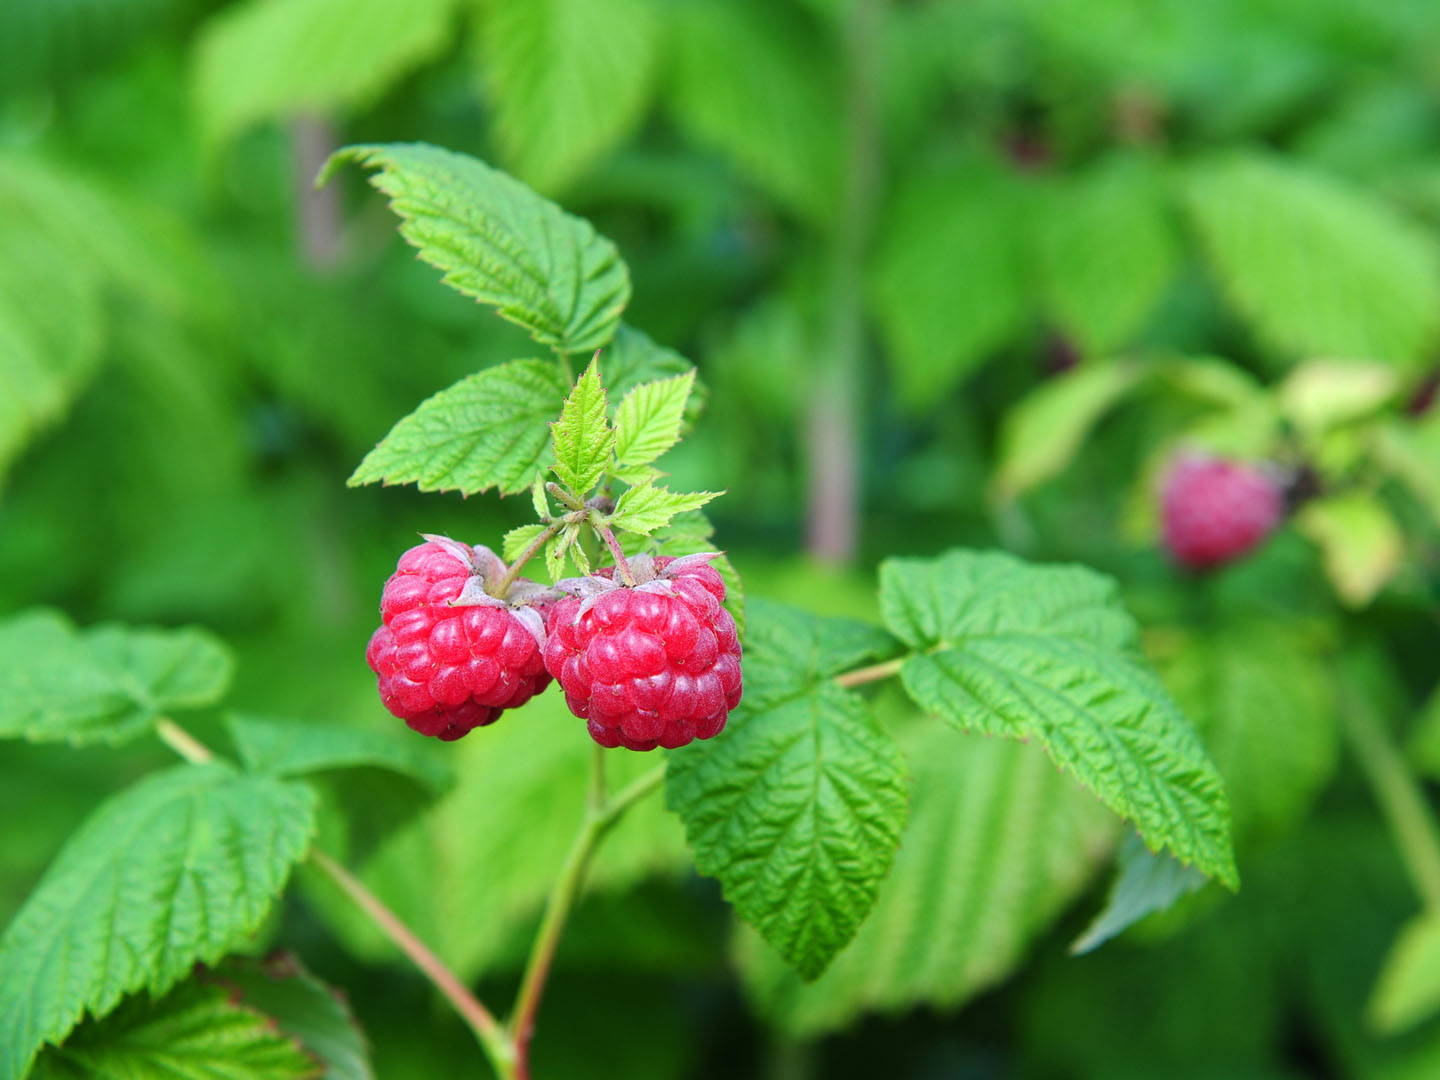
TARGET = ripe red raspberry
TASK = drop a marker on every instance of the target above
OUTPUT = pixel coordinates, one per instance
(653, 665)
(1217, 510)
(449, 656)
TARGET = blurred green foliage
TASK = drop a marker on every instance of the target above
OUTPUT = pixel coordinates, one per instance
(1094, 229)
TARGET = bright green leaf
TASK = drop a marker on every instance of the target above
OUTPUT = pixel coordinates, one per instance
(488, 430)
(568, 80)
(498, 241)
(179, 869)
(1048, 653)
(1408, 989)
(1318, 268)
(649, 418)
(266, 59)
(195, 1032)
(1319, 394)
(290, 748)
(798, 808)
(518, 539)
(632, 359)
(108, 684)
(648, 507)
(1361, 543)
(997, 845)
(583, 438)
(1146, 882)
(1411, 452)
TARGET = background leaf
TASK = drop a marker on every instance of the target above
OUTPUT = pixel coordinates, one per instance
(178, 870)
(297, 748)
(1145, 882)
(1361, 543)
(1407, 990)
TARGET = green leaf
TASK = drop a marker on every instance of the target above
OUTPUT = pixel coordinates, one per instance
(1261, 695)
(518, 539)
(498, 241)
(488, 430)
(649, 418)
(997, 846)
(568, 80)
(648, 507)
(108, 685)
(268, 59)
(178, 870)
(1411, 452)
(290, 748)
(1319, 394)
(632, 359)
(1317, 267)
(774, 115)
(1361, 543)
(798, 808)
(555, 552)
(1044, 431)
(196, 1032)
(583, 438)
(1108, 252)
(1047, 653)
(1147, 882)
(305, 1009)
(1408, 988)
(946, 288)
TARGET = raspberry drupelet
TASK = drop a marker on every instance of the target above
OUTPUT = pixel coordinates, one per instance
(656, 664)
(450, 658)
(1217, 510)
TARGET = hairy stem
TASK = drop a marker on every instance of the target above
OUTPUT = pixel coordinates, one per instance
(525, 556)
(1401, 800)
(616, 552)
(873, 673)
(600, 817)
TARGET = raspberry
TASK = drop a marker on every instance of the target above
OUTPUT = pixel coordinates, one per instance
(450, 657)
(657, 664)
(1217, 510)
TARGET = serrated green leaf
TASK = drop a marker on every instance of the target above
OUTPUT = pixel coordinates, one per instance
(568, 80)
(108, 685)
(1108, 252)
(1408, 988)
(1318, 268)
(518, 539)
(582, 436)
(178, 870)
(649, 418)
(648, 507)
(1048, 653)
(1360, 540)
(1043, 432)
(539, 501)
(195, 1032)
(555, 557)
(290, 748)
(267, 59)
(498, 241)
(576, 551)
(1145, 882)
(632, 360)
(997, 845)
(1261, 695)
(635, 475)
(304, 1008)
(488, 430)
(798, 808)
(946, 287)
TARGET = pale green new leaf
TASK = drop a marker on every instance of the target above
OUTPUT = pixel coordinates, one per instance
(649, 419)
(1044, 431)
(998, 844)
(498, 241)
(1318, 268)
(108, 684)
(178, 870)
(798, 808)
(583, 438)
(946, 287)
(555, 551)
(1320, 394)
(632, 359)
(267, 59)
(568, 80)
(1048, 653)
(486, 431)
(292, 748)
(195, 1032)
(1146, 882)
(648, 507)
(1408, 988)
(1360, 540)
(518, 539)
(1108, 252)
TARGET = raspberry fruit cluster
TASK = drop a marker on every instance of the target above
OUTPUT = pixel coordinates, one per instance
(656, 663)
(1216, 510)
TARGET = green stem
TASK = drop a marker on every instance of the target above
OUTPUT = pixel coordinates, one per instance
(1400, 798)
(599, 819)
(616, 552)
(183, 743)
(531, 550)
(873, 673)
